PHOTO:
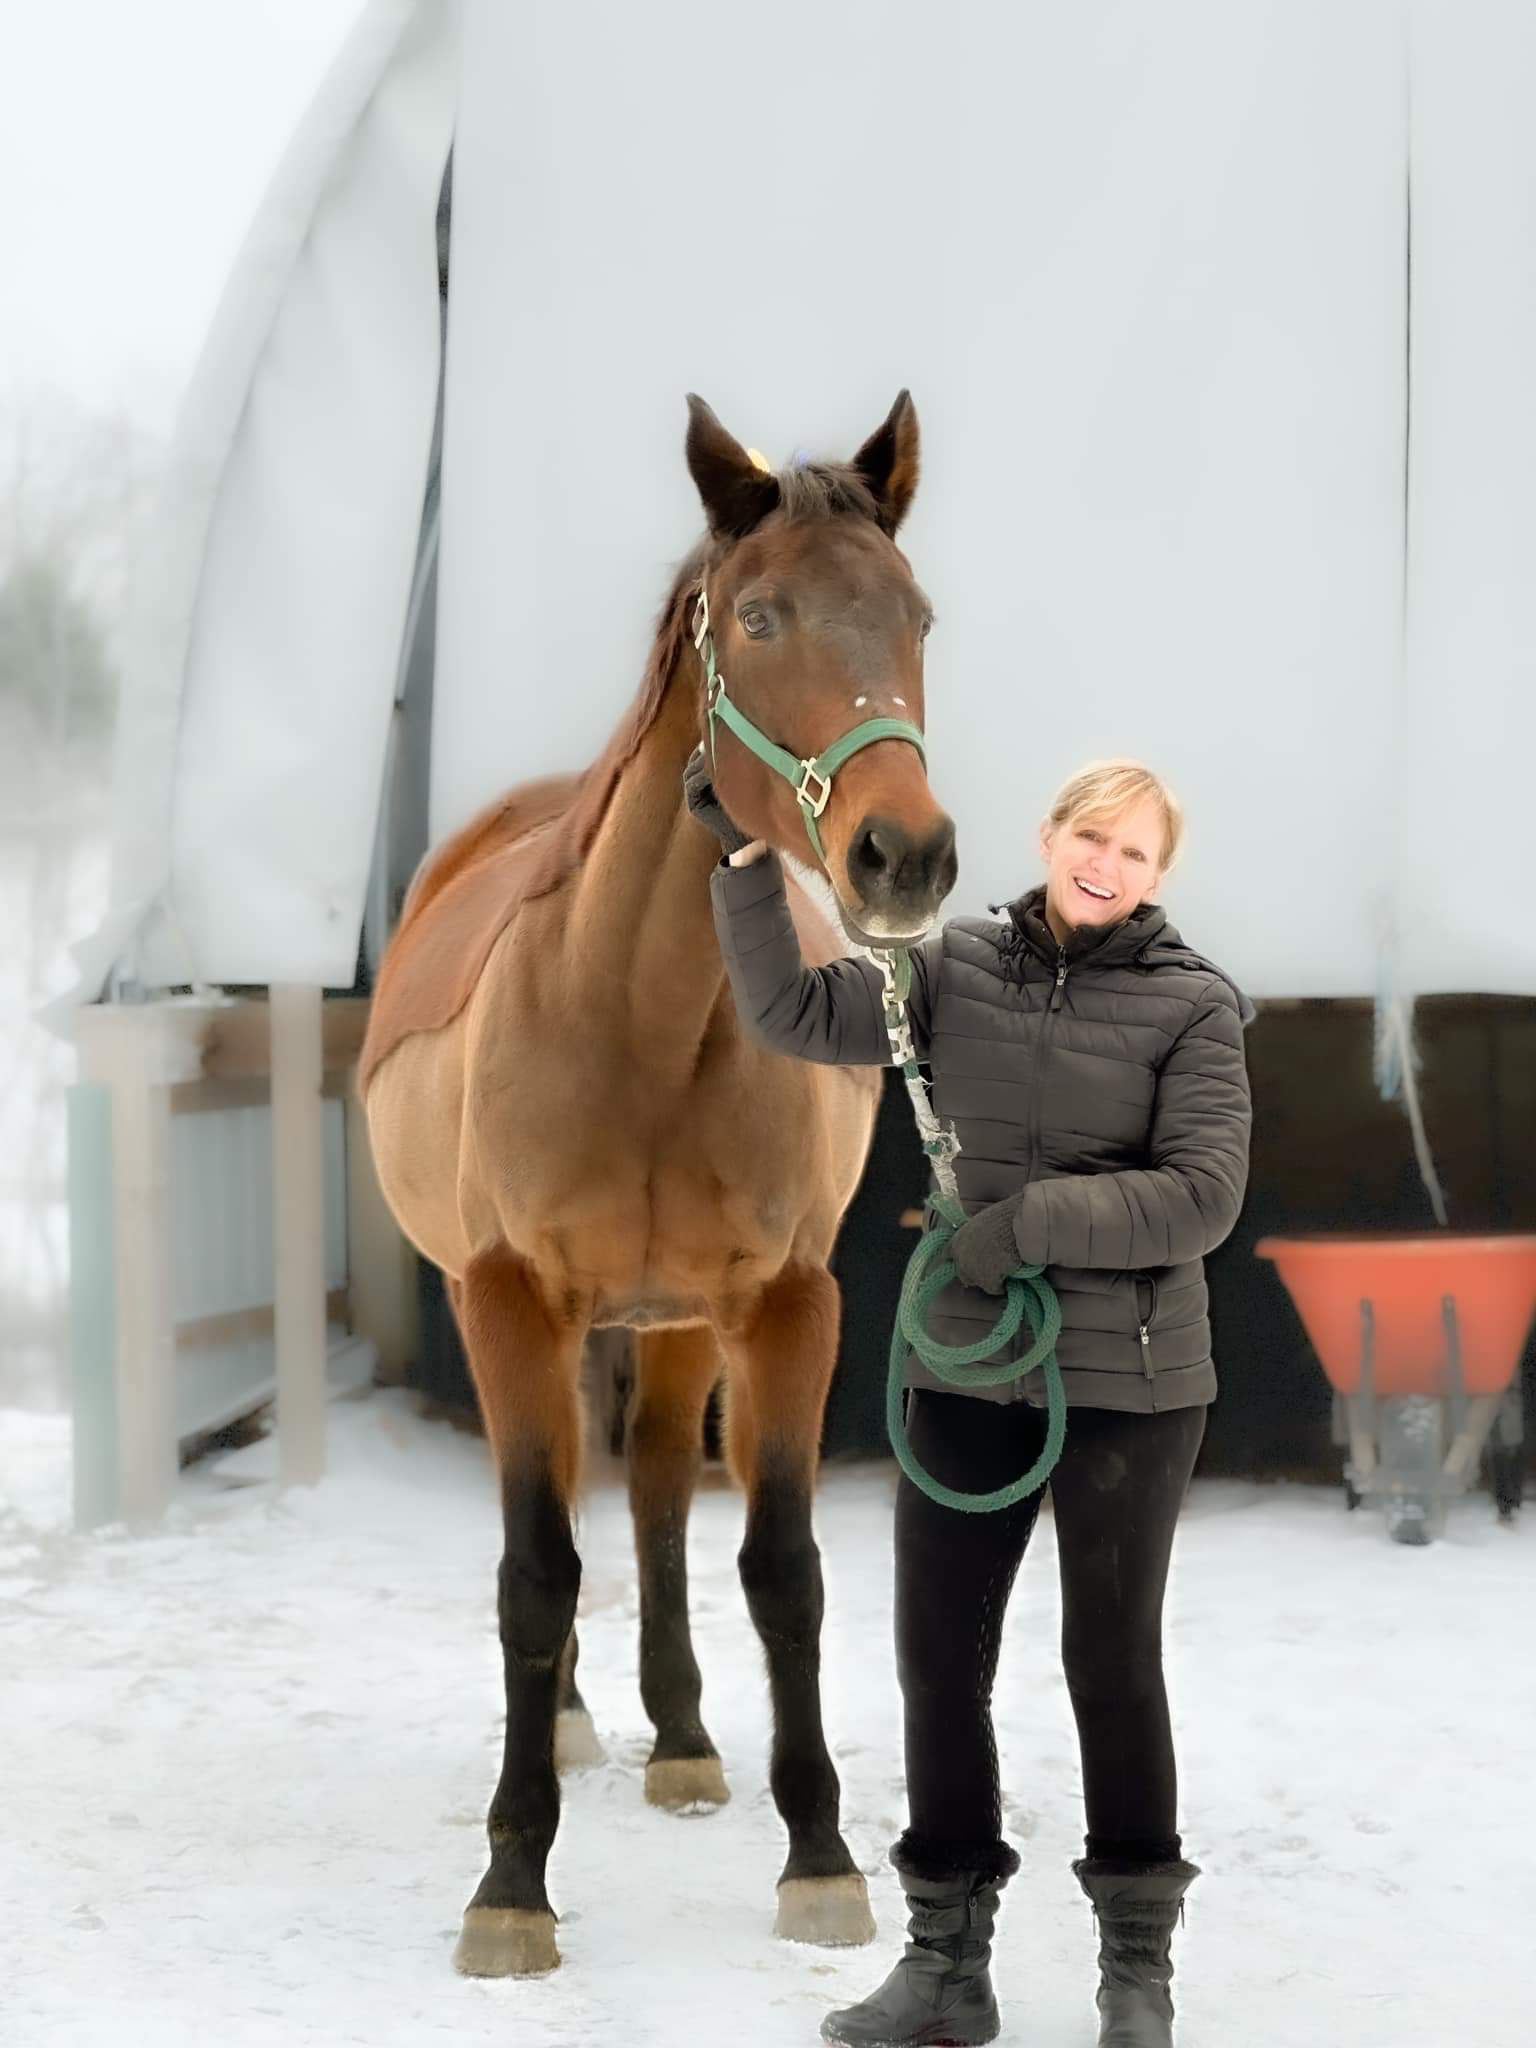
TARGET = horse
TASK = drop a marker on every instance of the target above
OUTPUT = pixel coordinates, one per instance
(569, 1119)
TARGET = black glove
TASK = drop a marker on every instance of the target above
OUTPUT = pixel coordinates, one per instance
(699, 795)
(984, 1249)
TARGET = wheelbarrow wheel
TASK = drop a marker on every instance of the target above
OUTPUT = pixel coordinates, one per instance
(1411, 1518)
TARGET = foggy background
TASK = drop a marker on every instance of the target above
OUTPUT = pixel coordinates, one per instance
(126, 195)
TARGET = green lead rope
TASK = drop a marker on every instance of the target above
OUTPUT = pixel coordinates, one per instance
(1027, 1292)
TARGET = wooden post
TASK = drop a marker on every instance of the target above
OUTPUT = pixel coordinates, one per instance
(298, 1193)
(137, 1051)
(92, 1307)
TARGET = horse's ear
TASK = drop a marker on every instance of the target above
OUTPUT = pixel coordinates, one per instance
(889, 462)
(736, 493)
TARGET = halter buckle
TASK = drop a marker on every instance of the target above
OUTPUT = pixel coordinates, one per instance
(818, 803)
(701, 618)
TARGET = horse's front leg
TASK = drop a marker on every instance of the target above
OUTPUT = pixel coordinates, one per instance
(525, 1371)
(782, 1361)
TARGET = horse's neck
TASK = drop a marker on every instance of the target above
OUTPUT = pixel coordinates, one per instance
(642, 927)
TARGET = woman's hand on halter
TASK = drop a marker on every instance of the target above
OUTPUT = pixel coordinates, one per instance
(984, 1249)
(699, 795)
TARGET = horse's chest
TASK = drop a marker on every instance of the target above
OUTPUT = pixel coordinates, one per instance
(628, 1123)
(655, 1185)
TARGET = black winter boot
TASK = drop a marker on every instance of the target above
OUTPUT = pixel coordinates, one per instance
(1136, 1906)
(941, 1990)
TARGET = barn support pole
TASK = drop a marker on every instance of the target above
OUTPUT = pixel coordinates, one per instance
(123, 1323)
(298, 1233)
(92, 1306)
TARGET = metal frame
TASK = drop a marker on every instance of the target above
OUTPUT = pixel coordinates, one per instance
(1394, 1441)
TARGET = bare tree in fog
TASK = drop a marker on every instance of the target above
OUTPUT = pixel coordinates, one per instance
(74, 489)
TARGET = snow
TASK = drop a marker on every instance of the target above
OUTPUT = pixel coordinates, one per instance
(247, 1758)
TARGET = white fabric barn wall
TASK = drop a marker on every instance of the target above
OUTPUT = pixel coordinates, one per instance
(1143, 269)
(1470, 725)
(269, 614)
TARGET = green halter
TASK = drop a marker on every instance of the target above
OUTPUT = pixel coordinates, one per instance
(811, 779)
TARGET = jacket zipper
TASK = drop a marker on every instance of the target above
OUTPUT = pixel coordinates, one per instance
(1045, 1037)
(1146, 1327)
(1052, 1006)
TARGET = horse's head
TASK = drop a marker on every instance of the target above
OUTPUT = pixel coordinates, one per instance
(811, 632)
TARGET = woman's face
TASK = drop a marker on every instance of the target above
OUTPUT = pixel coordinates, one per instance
(1096, 873)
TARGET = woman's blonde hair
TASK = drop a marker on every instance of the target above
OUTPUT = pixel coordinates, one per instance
(1105, 790)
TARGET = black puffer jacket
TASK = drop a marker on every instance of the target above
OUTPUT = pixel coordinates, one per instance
(1106, 1076)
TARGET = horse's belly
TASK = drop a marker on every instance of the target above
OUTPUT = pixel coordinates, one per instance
(649, 1309)
(414, 1103)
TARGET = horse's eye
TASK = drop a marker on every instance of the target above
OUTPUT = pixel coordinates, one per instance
(925, 629)
(754, 620)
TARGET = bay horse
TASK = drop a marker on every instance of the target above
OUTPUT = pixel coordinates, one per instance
(569, 1119)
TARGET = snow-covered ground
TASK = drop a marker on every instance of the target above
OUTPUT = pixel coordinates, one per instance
(245, 1762)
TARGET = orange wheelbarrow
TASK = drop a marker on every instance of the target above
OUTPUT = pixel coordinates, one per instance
(1420, 1336)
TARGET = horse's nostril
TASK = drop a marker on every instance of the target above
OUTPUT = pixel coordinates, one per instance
(877, 853)
(943, 862)
(886, 864)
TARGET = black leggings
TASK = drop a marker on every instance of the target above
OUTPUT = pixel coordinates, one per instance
(1116, 1494)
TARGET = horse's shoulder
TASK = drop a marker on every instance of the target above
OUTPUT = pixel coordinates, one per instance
(492, 831)
(461, 900)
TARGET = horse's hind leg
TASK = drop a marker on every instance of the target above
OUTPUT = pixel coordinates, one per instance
(525, 1371)
(782, 1364)
(675, 1370)
(576, 1740)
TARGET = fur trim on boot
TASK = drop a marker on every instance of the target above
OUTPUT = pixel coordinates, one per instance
(989, 1862)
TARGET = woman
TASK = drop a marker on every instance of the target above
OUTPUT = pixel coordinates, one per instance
(1093, 1067)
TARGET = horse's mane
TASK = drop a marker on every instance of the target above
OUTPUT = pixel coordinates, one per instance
(571, 841)
(825, 490)
(673, 631)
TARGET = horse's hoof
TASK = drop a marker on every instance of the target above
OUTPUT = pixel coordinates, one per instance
(506, 1941)
(686, 1783)
(576, 1745)
(832, 1912)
